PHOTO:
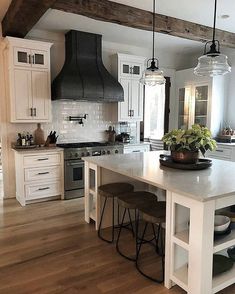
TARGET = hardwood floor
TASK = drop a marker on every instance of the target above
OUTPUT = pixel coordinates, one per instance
(48, 248)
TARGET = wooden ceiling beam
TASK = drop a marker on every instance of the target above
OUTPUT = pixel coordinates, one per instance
(22, 15)
(117, 13)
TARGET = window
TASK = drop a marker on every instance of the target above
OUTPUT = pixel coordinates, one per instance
(154, 112)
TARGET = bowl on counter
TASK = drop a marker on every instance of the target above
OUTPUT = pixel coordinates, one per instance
(222, 223)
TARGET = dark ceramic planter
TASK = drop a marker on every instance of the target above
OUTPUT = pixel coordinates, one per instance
(185, 156)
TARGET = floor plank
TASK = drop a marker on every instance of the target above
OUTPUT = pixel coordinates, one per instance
(48, 248)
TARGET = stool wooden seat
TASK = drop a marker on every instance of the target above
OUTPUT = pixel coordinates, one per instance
(115, 189)
(154, 214)
(111, 191)
(132, 201)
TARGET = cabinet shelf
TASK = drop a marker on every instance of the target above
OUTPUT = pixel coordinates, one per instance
(180, 277)
(223, 280)
(225, 242)
(201, 100)
(182, 239)
(92, 191)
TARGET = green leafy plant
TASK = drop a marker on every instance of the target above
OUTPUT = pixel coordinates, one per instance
(194, 139)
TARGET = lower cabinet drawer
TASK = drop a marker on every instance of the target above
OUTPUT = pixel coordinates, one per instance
(42, 159)
(37, 191)
(221, 152)
(136, 149)
(45, 173)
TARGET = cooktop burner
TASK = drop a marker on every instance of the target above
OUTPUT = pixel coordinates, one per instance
(83, 144)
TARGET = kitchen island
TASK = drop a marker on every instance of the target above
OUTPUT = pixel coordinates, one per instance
(192, 197)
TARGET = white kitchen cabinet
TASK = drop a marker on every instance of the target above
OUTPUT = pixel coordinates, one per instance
(130, 148)
(27, 69)
(128, 70)
(39, 175)
(200, 100)
(223, 151)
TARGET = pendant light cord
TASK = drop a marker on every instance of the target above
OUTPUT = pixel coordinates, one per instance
(213, 39)
(153, 26)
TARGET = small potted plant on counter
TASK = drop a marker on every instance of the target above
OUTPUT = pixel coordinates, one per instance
(186, 144)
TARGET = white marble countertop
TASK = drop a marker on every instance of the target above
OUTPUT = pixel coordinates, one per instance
(37, 149)
(204, 185)
(226, 144)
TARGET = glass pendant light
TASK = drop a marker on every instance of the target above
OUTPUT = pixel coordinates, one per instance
(212, 63)
(153, 76)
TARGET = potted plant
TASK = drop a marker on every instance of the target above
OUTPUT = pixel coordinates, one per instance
(186, 144)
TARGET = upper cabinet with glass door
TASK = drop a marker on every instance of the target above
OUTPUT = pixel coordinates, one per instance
(200, 95)
(31, 58)
(27, 67)
(128, 70)
(199, 99)
(131, 69)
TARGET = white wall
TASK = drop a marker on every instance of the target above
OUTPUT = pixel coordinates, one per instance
(230, 103)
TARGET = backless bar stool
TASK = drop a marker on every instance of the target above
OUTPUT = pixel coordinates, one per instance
(131, 201)
(111, 191)
(154, 214)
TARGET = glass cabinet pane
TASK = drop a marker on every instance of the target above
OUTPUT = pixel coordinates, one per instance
(126, 68)
(38, 58)
(201, 103)
(22, 57)
(136, 70)
(183, 118)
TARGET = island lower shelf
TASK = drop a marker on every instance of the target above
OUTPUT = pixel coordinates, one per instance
(180, 277)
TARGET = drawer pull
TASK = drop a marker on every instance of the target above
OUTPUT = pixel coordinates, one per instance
(45, 173)
(136, 151)
(42, 189)
(41, 159)
(218, 150)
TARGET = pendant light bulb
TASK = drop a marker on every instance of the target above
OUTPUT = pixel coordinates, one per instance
(153, 76)
(212, 63)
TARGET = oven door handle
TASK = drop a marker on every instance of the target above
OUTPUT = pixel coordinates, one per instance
(74, 163)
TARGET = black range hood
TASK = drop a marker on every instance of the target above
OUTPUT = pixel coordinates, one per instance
(83, 76)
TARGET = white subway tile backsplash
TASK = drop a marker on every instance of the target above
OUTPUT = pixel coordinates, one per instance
(100, 117)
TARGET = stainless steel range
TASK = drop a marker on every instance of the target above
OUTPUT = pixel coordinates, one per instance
(74, 165)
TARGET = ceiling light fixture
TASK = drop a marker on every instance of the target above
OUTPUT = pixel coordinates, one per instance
(212, 63)
(152, 76)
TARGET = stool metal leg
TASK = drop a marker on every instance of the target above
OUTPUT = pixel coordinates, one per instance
(101, 219)
(119, 234)
(133, 232)
(138, 253)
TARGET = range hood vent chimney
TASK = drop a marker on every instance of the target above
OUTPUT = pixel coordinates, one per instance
(83, 76)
